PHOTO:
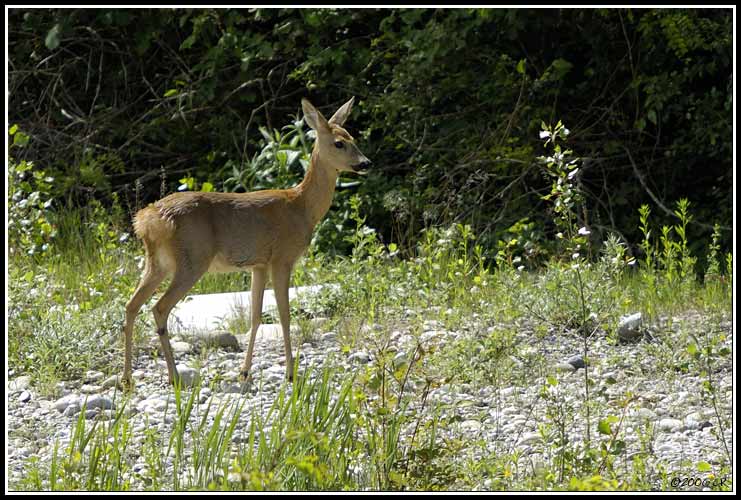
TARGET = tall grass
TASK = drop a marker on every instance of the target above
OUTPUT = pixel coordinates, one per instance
(374, 427)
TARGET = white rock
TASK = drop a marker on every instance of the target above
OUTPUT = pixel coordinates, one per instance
(471, 426)
(92, 413)
(666, 447)
(19, 384)
(670, 424)
(97, 401)
(530, 438)
(111, 381)
(629, 327)
(400, 359)
(179, 347)
(72, 410)
(643, 413)
(90, 389)
(188, 375)
(329, 337)
(431, 336)
(565, 367)
(360, 357)
(93, 376)
(62, 403)
(204, 394)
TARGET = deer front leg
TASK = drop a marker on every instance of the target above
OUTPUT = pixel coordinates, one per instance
(281, 278)
(259, 277)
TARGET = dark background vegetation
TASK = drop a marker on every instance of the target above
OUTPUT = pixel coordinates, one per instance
(449, 105)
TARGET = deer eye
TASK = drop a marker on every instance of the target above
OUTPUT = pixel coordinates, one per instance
(339, 144)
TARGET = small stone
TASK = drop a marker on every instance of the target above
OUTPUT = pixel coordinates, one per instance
(93, 376)
(90, 389)
(576, 361)
(431, 336)
(219, 340)
(508, 391)
(179, 347)
(19, 384)
(530, 438)
(25, 397)
(231, 388)
(670, 424)
(112, 381)
(97, 401)
(329, 337)
(400, 359)
(644, 414)
(72, 410)
(157, 405)
(629, 327)
(188, 375)
(666, 447)
(62, 403)
(203, 395)
(471, 426)
(360, 357)
(565, 367)
(224, 340)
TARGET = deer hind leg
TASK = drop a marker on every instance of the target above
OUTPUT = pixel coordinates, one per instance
(281, 275)
(151, 278)
(182, 281)
(259, 277)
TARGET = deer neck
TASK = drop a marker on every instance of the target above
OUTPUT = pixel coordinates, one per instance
(317, 188)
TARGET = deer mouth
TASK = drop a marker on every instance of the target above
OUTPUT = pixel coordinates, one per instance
(361, 168)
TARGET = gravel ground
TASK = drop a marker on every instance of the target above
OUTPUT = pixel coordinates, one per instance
(498, 417)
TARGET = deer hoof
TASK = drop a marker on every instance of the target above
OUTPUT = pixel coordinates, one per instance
(125, 383)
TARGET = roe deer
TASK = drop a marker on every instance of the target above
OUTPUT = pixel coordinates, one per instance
(188, 234)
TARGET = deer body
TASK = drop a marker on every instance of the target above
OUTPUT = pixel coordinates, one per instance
(188, 234)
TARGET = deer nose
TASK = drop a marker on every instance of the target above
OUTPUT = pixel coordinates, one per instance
(365, 163)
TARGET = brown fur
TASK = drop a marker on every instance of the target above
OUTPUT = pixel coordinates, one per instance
(188, 234)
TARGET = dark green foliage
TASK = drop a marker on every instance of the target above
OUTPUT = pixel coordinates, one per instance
(449, 106)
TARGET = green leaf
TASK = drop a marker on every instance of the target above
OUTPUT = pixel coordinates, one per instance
(552, 381)
(618, 447)
(521, 67)
(604, 427)
(20, 139)
(13, 129)
(171, 92)
(52, 38)
(703, 467)
(207, 187)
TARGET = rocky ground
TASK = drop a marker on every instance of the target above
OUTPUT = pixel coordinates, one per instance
(499, 418)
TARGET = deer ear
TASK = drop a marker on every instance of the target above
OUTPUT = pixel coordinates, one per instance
(313, 117)
(341, 114)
